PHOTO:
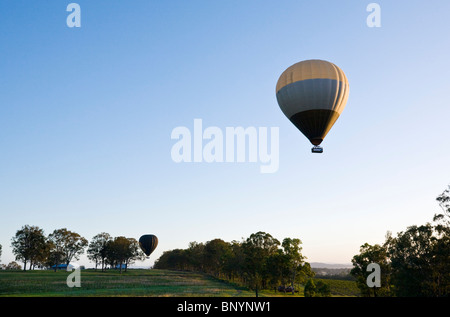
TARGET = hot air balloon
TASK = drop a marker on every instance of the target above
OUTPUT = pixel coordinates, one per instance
(313, 94)
(148, 243)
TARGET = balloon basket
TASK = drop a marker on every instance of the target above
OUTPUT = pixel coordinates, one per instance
(317, 149)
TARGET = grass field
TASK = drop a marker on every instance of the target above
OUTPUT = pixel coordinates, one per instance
(342, 288)
(154, 283)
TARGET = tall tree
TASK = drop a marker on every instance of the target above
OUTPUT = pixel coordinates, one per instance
(443, 220)
(294, 258)
(444, 201)
(134, 253)
(66, 245)
(371, 254)
(97, 249)
(305, 272)
(419, 260)
(235, 261)
(28, 243)
(215, 255)
(278, 268)
(257, 250)
(121, 251)
(193, 257)
(441, 259)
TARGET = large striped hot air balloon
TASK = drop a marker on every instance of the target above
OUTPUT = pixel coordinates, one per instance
(313, 94)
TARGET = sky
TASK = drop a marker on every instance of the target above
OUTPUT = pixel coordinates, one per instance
(87, 114)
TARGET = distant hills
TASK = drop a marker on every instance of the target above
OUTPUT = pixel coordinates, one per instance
(332, 270)
(320, 265)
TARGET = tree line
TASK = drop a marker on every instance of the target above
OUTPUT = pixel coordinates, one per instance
(415, 263)
(258, 262)
(31, 246)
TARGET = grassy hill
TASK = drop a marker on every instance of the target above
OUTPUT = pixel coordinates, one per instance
(154, 283)
(111, 283)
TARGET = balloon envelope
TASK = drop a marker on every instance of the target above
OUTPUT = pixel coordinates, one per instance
(313, 94)
(148, 243)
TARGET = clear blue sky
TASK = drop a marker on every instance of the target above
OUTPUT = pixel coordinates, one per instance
(86, 116)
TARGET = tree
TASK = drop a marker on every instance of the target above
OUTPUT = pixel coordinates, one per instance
(66, 246)
(42, 257)
(235, 262)
(257, 250)
(116, 250)
(215, 255)
(28, 244)
(310, 288)
(323, 289)
(193, 257)
(415, 262)
(441, 259)
(294, 258)
(304, 273)
(13, 266)
(443, 220)
(97, 249)
(55, 257)
(177, 259)
(317, 289)
(371, 254)
(278, 268)
(121, 251)
(134, 252)
(444, 203)
(419, 260)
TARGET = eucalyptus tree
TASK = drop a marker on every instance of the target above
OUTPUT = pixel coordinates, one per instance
(372, 254)
(97, 249)
(29, 245)
(122, 251)
(257, 249)
(294, 258)
(66, 246)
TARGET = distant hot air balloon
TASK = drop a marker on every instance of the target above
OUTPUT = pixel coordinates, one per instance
(148, 243)
(313, 94)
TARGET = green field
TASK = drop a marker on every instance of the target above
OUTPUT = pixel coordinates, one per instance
(154, 283)
(341, 288)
